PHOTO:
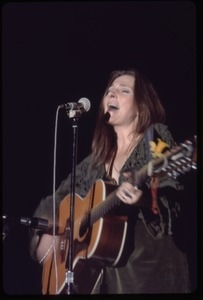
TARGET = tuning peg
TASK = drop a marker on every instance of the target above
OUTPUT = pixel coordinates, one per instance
(194, 165)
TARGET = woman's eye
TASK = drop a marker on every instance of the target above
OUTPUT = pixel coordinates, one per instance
(126, 91)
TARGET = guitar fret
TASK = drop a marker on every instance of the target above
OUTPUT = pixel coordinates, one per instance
(103, 208)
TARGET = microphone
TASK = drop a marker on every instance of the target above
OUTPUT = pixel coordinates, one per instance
(37, 223)
(9, 222)
(83, 105)
(106, 117)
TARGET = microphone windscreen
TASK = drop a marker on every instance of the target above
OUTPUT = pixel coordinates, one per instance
(86, 103)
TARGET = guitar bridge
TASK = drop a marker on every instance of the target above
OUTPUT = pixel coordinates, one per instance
(63, 242)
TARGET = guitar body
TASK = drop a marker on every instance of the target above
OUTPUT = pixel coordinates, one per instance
(91, 239)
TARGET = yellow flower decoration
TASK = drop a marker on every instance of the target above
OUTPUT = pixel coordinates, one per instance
(157, 149)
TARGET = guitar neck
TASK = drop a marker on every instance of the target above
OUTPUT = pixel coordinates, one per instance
(100, 210)
(172, 163)
(104, 207)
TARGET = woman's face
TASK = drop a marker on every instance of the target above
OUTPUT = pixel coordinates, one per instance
(119, 101)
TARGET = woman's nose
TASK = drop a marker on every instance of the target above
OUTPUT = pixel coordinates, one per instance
(112, 94)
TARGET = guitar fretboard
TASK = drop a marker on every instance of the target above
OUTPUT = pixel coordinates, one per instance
(99, 211)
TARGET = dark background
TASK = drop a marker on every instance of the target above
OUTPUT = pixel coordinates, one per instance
(57, 52)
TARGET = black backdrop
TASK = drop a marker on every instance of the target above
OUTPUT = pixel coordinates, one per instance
(57, 52)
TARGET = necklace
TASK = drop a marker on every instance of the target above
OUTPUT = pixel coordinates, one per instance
(116, 169)
(121, 158)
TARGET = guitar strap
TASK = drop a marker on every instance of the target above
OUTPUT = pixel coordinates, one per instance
(149, 136)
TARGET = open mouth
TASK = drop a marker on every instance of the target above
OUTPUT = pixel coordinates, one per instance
(112, 107)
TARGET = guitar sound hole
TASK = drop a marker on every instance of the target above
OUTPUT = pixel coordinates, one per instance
(85, 224)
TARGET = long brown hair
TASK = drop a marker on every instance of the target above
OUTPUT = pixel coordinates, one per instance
(151, 111)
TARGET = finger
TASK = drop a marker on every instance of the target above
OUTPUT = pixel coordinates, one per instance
(127, 193)
(121, 195)
(129, 197)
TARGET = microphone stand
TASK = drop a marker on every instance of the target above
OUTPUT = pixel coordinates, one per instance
(75, 115)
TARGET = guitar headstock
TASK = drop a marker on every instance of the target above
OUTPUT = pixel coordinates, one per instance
(172, 163)
(178, 160)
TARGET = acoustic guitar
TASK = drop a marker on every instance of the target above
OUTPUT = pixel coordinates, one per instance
(98, 233)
